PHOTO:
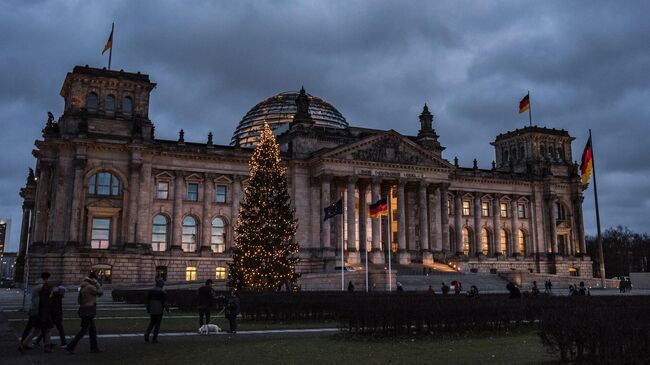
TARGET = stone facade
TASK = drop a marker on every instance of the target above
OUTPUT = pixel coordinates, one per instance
(108, 196)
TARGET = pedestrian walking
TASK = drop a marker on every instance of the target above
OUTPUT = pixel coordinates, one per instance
(206, 299)
(535, 290)
(430, 290)
(444, 289)
(156, 305)
(473, 291)
(400, 288)
(56, 312)
(350, 286)
(40, 311)
(550, 286)
(546, 290)
(233, 307)
(89, 290)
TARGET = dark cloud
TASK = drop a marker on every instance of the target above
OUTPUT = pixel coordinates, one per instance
(377, 62)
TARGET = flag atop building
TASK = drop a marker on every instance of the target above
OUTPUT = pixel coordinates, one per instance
(334, 209)
(524, 104)
(109, 42)
(586, 164)
(379, 208)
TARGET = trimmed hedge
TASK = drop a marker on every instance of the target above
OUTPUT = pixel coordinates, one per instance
(602, 329)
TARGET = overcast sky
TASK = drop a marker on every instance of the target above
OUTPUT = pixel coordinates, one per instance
(586, 64)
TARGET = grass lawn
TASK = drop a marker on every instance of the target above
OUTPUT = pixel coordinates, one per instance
(520, 347)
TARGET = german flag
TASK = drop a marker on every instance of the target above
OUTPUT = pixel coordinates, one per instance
(586, 164)
(109, 42)
(379, 208)
(524, 104)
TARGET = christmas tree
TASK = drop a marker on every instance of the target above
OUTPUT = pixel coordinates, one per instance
(264, 253)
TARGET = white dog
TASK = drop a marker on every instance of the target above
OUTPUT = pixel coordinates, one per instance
(209, 329)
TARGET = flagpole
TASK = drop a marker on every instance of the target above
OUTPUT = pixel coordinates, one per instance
(599, 239)
(110, 51)
(342, 248)
(530, 113)
(389, 239)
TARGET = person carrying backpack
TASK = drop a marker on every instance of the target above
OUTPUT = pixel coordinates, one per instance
(89, 290)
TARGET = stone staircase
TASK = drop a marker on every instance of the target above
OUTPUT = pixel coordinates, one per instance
(486, 283)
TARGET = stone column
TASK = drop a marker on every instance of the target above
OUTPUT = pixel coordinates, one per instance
(377, 256)
(496, 222)
(458, 222)
(24, 231)
(435, 222)
(208, 198)
(444, 218)
(353, 254)
(42, 196)
(237, 195)
(59, 219)
(325, 240)
(514, 223)
(423, 197)
(77, 197)
(580, 225)
(403, 256)
(177, 219)
(476, 245)
(363, 216)
(134, 189)
(552, 223)
(145, 218)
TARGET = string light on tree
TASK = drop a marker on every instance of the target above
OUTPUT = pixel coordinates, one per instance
(264, 256)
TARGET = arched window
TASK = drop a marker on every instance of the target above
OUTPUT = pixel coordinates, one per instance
(159, 236)
(485, 241)
(190, 237)
(127, 105)
(218, 239)
(560, 153)
(110, 103)
(104, 183)
(551, 152)
(503, 239)
(542, 151)
(466, 241)
(522, 242)
(560, 212)
(91, 101)
(513, 153)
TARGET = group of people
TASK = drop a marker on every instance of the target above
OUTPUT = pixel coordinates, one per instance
(46, 312)
(625, 285)
(579, 289)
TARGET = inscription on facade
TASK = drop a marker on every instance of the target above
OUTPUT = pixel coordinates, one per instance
(385, 173)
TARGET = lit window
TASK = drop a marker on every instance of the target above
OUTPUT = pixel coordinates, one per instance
(521, 210)
(188, 241)
(485, 209)
(104, 183)
(466, 241)
(503, 238)
(101, 233)
(190, 273)
(220, 273)
(448, 206)
(218, 239)
(504, 210)
(522, 242)
(221, 192)
(91, 101)
(159, 233)
(127, 105)
(193, 192)
(110, 103)
(485, 241)
(162, 191)
(466, 207)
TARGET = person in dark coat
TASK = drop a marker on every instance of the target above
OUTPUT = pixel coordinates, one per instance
(89, 290)
(156, 305)
(42, 324)
(430, 290)
(350, 286)
(514, 291)
(33, 310)
(582, 290)
(233, 307)
(205, 302)
(444, 289)
(535, 290)
(56, 312)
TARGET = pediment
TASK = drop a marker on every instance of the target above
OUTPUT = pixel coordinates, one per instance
(164, 176)
(194, 177)
(388, 147)
(222, 180)
(103, 203)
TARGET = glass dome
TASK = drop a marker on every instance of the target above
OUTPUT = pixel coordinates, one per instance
(278, 112)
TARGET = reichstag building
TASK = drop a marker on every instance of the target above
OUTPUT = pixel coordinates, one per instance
(106, 195)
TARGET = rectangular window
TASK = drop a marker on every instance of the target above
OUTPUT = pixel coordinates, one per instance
(220, 273)
(221, 192)
(521, 210)
(163, 190)
(101, 233)
(485, 208)
(467, 207)
(190, 273)
(193, 192)
(504, 210)
(448, 206)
